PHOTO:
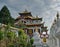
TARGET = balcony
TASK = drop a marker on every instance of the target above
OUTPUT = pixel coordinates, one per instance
(33, 22)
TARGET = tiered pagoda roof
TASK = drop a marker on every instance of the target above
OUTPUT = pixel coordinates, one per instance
(27, 15)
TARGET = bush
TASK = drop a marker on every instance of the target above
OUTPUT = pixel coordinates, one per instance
(31, 41)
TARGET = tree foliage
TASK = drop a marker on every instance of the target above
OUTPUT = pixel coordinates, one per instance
(1, 35)
(31, 41)
(11, 40)
(22, 38)
(10, 35)
(5, 16)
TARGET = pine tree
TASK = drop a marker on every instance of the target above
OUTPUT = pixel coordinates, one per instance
(5, 16)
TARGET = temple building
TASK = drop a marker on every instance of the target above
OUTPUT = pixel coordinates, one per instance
(27, 22)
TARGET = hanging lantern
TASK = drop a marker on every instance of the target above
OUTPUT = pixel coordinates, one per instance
(44, 39)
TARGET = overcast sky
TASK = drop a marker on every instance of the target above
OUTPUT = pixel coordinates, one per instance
(47, 9)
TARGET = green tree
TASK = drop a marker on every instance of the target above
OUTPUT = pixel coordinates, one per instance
(31, 41)
(5, 16)
(1, 36)
(10, 35)
(11, 39)
(11, 45)
(22, 38)
(29, 44)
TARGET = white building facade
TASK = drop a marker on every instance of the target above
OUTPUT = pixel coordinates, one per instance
(54, 38)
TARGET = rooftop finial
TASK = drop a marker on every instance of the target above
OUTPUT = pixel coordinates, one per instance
(25, 11)
(36, 16)
(54, 20)
(57, 15)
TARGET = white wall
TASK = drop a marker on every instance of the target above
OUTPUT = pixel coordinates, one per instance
(55, 34)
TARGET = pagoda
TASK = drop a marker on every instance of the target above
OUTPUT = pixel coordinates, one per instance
(29, 22)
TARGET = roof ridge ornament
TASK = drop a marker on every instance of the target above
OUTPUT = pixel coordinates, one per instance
(57, 15)
(25, 11)
(36, 16)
